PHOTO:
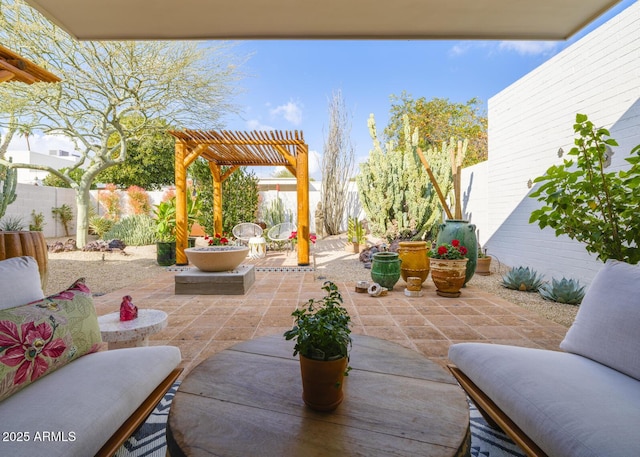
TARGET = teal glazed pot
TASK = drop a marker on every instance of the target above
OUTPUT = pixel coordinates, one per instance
(463, 231)
(385, 269)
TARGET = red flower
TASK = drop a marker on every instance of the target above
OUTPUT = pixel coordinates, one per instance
(28, 348)
(455, 243)
(293, 235)
(462, 250)
(442, 250)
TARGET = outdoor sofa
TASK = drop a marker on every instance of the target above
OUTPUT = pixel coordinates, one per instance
(582, 402)
(61, 393)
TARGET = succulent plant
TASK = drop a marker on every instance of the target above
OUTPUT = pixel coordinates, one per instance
(521, 278)
(564, 291)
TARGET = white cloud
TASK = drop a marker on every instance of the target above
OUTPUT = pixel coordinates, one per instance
(291, 111)
(529, 47)
(255, 124)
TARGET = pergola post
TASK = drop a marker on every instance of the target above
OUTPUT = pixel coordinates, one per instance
(217, 197)
(181, 204)
(302, 177)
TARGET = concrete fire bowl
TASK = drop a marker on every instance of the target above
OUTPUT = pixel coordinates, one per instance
(217, 258)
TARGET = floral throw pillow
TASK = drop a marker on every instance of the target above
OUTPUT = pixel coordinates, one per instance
(40, 337)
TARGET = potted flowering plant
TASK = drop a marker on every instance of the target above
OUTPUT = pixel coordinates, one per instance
(216, 240)
(293, 238)
(448, 264)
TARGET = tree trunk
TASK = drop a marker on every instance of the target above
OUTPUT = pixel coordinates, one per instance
(83, 200)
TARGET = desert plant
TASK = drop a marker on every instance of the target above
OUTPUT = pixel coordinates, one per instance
(136, 230)
(355, 231)
(589, 205)
(521, 278)
(64, 214)
(38, 221)
(12, 224)
(100, 225)
(109, 198)
(8, 183)
(275, 213)
(138, 200)
(394, 187)
(567, 291)
(321, 327)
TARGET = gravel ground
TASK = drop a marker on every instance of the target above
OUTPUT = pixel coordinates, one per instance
(108, 271)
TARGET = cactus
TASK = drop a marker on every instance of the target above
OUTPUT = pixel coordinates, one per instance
(8, 183)
(394, 188)
(521, 278)
(567, 291)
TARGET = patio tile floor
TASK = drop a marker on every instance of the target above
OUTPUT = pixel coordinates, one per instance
(201, 325)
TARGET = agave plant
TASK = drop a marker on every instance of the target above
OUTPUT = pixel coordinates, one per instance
(564, 291)
(521, 278)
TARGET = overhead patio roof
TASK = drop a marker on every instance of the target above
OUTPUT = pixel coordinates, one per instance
(350, 19)
(14, 67)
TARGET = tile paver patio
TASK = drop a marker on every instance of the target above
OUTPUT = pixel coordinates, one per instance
(201, 325)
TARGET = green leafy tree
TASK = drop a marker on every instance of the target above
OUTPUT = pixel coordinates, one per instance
(106, 84)
(151, 161)
(588, 204)
(55, 180)
(395, 190)
(239, 196)
(438, 120)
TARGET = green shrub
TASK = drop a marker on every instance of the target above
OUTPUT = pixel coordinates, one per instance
(38, 221)
(100, 225)
(521, 278)
(12, 224)
(137, 230)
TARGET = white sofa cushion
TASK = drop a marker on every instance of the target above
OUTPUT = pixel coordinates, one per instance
(569, 405)
(84, 402)
(19, 282)
(607, 327)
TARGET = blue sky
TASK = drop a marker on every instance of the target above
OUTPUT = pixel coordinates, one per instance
(289, 82)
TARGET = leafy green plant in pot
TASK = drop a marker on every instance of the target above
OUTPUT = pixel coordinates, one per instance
(322, 338)
(583, 201)
(165, 214)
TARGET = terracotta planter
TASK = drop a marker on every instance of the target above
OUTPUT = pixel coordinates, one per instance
(483, 266)
(17, 244)
(415, 262)
(448, 276)
(322, 382)
(463, 231)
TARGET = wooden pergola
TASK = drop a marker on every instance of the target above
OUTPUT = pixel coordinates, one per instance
(240, 149)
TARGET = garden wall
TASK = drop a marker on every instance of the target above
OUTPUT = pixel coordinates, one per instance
(531, 120)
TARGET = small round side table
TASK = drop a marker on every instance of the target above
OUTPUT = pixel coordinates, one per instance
(257, 247)
(132, 333)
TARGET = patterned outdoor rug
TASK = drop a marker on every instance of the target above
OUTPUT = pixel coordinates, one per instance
(149, 439)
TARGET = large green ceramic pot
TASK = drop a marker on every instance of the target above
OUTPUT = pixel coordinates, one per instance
(385, 269)
(463, 231)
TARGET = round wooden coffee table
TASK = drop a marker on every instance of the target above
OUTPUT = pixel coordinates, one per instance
(247, 400)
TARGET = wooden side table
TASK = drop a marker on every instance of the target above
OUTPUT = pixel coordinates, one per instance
(132, 333)
(246, 401)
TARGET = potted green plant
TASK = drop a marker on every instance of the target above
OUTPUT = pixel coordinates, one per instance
(448, 263)
(356, 236)
(165, 214)
(322, 339)
(483, 266)
(585, 202)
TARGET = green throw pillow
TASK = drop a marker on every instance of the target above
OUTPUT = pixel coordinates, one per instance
(40, 337)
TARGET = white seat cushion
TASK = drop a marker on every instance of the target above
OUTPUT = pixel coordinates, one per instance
(85, 401)
(569, 405)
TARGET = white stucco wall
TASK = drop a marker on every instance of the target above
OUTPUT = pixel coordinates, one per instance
(533, 118)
